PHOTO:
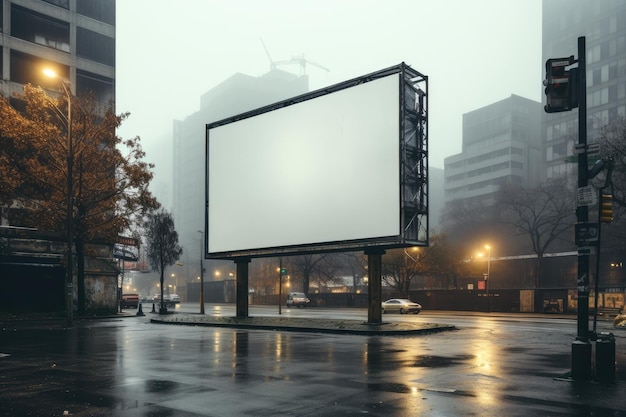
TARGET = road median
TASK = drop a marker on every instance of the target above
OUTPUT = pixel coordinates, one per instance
(302, 324)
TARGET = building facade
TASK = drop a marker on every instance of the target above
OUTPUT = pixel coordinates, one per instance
(603, 24)
(76, 38)
(501, 144)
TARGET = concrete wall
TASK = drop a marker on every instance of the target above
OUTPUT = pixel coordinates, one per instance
(32, 274)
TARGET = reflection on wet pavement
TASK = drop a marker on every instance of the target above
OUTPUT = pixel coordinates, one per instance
(134, 368)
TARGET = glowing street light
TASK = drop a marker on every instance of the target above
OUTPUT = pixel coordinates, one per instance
(487, 275)
(69, 279)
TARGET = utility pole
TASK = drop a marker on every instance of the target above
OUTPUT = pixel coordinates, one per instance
(581, 347)
(201, 271)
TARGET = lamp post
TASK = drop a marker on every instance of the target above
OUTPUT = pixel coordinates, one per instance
(69, 279)
(201, 272)
(280, 285)
(488, 276)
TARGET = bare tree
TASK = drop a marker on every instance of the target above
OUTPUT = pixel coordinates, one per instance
(612, 140)
(307, 266)
(543, 214)
(331, 269)
(401, 266)
(355, 264)
(445, 262)
(162, 245)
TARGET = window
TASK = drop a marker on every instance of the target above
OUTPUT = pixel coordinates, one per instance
(37, 28)
(101, 10)
(599, 119)
(593, 54)
(94, 46)
(598, 97)
(557, 151)
(61, 3)
(101, 87)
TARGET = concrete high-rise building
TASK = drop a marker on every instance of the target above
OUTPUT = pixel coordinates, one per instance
(501, 144)
(235, 95)
(435, 198)
(76, 38)
(603, 24)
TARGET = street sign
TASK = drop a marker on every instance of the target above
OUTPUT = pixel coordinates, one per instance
(593, 148)
(586, 250)
(128, 241)
(587, 233)
(587, 196)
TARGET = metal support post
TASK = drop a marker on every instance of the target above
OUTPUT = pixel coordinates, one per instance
(581, 347)
(374, 285)
(242, 286)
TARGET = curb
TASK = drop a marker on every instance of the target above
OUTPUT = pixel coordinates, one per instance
(324, 326)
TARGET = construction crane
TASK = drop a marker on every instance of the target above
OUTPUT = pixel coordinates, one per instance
(294, 60)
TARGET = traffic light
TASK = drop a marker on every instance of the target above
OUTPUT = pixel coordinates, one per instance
(606, 208)
(561, 85)
(283, 271)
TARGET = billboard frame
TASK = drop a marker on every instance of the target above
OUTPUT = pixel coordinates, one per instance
(413, 170)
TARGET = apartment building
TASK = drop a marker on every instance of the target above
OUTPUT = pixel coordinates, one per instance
(501, 144)
(76, 38)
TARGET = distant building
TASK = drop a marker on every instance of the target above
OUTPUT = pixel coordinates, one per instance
(435, 198)
(501, 144)
(603, 23)
(235, 95)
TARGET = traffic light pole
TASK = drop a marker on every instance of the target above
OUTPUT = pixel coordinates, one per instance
(581, 347)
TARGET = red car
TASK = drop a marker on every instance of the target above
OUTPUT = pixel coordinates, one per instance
(130, 300)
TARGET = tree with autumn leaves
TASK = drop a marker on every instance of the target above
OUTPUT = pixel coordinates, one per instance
(110, 178)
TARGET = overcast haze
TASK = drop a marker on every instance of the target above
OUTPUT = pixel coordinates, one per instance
(475, 52)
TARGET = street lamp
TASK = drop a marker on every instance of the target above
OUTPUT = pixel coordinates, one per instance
(69, 279)
(488, 260)
(201, 272)
(488, 276)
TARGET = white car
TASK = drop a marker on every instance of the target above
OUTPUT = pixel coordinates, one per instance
(297, 299)
(167, 298)
(401, 305)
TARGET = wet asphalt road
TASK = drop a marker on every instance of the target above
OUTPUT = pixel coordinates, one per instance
(491, 366)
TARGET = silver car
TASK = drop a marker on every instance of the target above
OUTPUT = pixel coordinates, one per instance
(297, 299)
(401, 305)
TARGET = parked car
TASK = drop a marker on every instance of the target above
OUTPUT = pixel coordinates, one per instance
(167, 298)
(130, 300)
(297, 299)
(401, 305)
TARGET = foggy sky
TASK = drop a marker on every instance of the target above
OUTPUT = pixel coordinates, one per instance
(475, 52)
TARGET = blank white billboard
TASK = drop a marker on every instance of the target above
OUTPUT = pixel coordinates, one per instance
(323, 171)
